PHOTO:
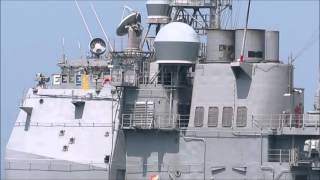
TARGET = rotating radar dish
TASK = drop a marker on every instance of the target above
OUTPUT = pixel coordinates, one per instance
(131, 19)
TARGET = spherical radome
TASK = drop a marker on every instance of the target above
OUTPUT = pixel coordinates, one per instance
(176, 43)
(178, 32)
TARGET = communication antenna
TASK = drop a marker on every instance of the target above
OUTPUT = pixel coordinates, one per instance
(79, 46)
(132, 18)
(128, 9)
(63, 51)
(313, 39)
(97, 47)
(100, 24)
(245, 33)
(84, 21)
(216, 12)
(131, 25)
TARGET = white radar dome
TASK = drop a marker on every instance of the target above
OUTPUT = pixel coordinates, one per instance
(177, 43)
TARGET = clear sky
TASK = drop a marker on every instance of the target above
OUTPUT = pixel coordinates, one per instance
(32, 32)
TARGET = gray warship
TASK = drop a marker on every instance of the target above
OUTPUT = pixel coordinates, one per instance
(185, 99)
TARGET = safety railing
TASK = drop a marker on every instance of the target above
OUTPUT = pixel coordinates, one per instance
(301, 159)
(279, 121)
(295, 157)
(305, 158)
(53, 165)
(86, 97)
(191, 3)
(279, 155)
(171, 79)
(171, 169)
(57, 124)
(151, 121)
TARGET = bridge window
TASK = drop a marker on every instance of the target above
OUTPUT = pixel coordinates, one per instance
(198, 117)
(227, 115)
(213, 115)
(255, 54)
(241, 117)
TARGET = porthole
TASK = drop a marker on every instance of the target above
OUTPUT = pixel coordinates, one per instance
(62, 132)
(41, 101)
(72, 140)
(106, 134)
(177, 173)
(65, 148)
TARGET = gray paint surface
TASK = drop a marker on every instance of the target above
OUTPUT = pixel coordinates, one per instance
(223, 39)
(255, 41)
(186, 51)
(172, 153)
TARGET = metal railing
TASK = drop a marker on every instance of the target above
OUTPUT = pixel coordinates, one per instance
(304, 158)
(53, 165)
(137, 167)
(151, 121)
(294, 157)
(198, 22)
(171, 79)
(279, 155)
(191, 3)
(279, 121)
(57, 124)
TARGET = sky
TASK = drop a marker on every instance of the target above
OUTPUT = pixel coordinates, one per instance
(32, 32)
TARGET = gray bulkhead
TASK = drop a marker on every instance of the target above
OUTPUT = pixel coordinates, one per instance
(191, 117)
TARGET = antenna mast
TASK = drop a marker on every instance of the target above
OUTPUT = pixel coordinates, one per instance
(245, 33)
(63, 51)
(215, 14)
(101, 27)
(84, 21)
(216, 9)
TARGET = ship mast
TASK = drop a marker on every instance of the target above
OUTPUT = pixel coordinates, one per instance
(218, 6)
(215, 15)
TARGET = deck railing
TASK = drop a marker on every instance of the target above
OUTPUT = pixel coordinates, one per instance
(137, 167)
(53, 165)
(61, 124)
(152, 121)
(191, 3)
(279, 155)
(279, 121)
(294, 157)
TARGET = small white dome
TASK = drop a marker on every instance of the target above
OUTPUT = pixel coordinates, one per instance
(178, 32)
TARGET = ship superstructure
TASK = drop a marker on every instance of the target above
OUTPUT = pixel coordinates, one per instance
(185, 99)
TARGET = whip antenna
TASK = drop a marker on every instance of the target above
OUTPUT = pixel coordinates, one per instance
(100, 24)
(245, 33)
(84, 21)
